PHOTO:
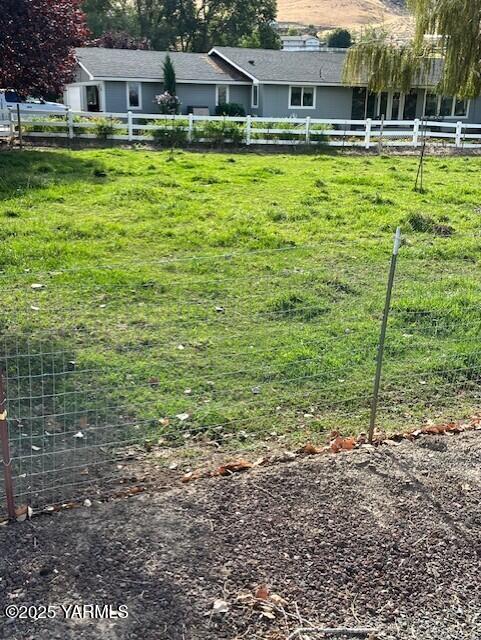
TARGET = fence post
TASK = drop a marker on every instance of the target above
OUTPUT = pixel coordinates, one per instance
(6, 459)
(459, 134)
(19, 127)
(190, 131)
(12, 126)
(382, 338)
(248, 130)
(70, 124)
(367, 138)
(308, 130)
(416, 133)
(130, 123)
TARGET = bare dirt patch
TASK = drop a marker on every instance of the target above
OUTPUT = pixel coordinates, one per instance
(386, 538)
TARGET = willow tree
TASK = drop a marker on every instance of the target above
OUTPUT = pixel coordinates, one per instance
(448, 30)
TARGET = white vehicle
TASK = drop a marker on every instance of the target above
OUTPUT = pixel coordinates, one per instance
(10, 99)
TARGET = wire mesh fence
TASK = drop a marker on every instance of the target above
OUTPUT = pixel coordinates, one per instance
(227, 348)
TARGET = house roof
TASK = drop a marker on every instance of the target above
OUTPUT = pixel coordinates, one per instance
(225, 65)
(295, 38)
(139, 64)
(267, 65)
(321, 67)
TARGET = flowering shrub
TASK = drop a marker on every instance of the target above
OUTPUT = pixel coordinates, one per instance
(168, 103)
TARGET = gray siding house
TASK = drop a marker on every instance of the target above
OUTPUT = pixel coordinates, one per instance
(266, 83)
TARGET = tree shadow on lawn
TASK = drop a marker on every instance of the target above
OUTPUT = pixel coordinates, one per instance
(24, 171)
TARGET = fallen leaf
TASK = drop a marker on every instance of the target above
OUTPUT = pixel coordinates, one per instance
(262, 592)
(346, 444)
(235, 466)
(311, 450)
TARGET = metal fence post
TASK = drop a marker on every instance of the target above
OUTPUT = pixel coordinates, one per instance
(6, 459)
(382, 339)
(308, 130)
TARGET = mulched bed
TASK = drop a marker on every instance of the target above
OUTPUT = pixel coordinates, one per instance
(386, 538)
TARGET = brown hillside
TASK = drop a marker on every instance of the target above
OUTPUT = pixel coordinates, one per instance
(342, 13)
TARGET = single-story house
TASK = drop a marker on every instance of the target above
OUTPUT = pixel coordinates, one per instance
(266, 83)
(300, 43)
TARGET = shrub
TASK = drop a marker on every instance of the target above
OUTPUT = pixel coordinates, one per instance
(104, 128)
(168, 103)
(220, 133)
(41, 125)
(231, 109)
(171, 135)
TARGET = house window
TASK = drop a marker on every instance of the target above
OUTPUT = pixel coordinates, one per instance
(460, 108)
(410, 105)
(302, 97)
(445, 106)
(431, 106)
(134, 95)
(388, 105)
(222, 94)
(255, 96)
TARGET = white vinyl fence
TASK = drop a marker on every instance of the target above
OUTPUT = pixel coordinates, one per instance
(180, 130)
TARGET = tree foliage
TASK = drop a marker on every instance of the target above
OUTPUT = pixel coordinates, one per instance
(36, 44)
(119, 40)
(110, 16)
(339, 38)
(189, 25)
(448, 30)
(170, 80)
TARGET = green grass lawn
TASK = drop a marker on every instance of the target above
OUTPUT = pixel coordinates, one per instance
(243, 291)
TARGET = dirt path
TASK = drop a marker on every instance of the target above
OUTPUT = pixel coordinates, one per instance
(387, 538)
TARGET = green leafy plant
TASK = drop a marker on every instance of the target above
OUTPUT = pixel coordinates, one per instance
(220, 133)
(172, 135)
(232, 109)
(104, 128)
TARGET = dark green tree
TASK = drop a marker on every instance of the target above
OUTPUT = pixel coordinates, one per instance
(340, 39)
(228, 22)
(264, 37)
(170, 82)
(110, 16)
(186, 25)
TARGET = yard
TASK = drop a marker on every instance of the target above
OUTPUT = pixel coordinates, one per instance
(224, 299)
(165, 309)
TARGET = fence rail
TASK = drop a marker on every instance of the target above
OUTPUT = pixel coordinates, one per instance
(182, 130)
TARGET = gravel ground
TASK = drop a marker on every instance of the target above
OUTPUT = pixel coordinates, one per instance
(386, 538)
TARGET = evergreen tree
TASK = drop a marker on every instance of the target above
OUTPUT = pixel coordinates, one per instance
(340, 39)
(169, 76)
